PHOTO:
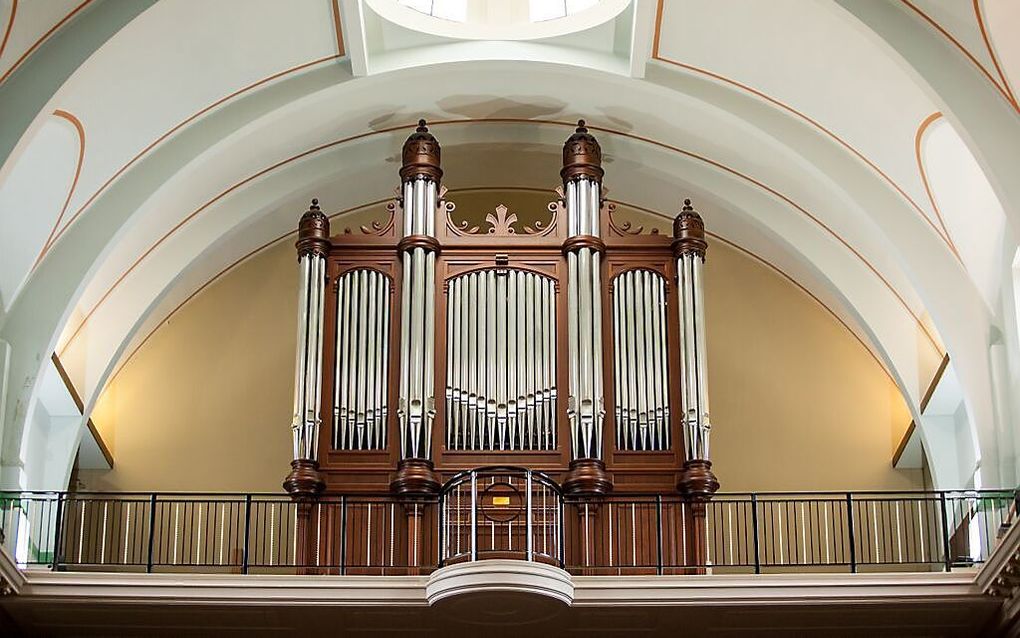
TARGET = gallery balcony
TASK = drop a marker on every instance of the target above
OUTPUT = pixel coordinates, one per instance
(508, 514)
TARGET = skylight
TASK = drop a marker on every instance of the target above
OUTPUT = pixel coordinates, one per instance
(459, 10)
(453, 10)
(540, 10)
(499, 19)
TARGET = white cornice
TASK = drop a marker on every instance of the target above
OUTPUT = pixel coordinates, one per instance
(271, 590)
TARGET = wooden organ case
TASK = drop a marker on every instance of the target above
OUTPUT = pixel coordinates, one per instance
(434, 343)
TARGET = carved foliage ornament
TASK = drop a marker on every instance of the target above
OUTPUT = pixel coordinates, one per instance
(502, 223)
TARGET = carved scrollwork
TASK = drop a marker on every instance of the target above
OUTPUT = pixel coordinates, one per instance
(502, 222)
(384, 227)
(623, 228)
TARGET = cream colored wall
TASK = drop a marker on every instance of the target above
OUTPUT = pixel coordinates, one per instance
(205, 404)
(797, 402)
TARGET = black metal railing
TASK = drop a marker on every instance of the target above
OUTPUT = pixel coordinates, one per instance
(505, 513)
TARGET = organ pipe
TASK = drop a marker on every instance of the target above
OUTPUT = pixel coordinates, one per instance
(582, 187)
(501, 376)
(304, 479)
(420, 174)
(361, 372)
(689, 247)
(641, 372)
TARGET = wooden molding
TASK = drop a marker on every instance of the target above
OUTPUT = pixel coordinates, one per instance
(81, 409)
(934, 382)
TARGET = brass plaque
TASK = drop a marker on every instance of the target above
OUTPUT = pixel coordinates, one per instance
(500, 500)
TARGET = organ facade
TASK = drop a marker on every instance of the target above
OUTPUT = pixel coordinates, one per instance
(434, 343)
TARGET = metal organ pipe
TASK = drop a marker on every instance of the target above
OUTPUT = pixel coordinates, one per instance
(641, 374)
(420, 173)
(689, 247)
(501, 361)
(360, 391)
(304, 479)
(582, 187)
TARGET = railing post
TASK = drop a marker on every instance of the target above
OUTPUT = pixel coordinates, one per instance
(945, 532)
(441, 550)
(658, 533)
(152, 531)
(528, 523)
(754, 529)
(343, 534)
(562, 534)
(474, 516)
(57, 546)
(247, 530)
(850, 531)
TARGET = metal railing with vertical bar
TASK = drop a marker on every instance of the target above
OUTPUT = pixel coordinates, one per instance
(504, 513)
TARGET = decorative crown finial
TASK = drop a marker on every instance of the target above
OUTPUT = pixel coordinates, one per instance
(421, 155)
(582, 155)
(689, 232)
(313, 231)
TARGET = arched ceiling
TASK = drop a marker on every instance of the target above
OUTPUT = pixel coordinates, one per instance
(182, 142)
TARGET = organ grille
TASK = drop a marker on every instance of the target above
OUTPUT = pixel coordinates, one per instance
(501, 361)
(642, 383)
(361, 386)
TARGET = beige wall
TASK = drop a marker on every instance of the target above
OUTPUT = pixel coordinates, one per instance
(797, 401)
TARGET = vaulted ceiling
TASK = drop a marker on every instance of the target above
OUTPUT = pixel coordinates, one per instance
(868, 150)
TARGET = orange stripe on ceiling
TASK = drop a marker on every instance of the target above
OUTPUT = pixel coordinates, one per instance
(918, 140)
(786, 107)
(10, 25)
(180, 125)
(571, 125)
(42, 39)
(80, 129)
(938, 27)
(991, 51)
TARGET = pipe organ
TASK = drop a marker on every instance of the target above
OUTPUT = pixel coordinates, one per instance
(436, 341)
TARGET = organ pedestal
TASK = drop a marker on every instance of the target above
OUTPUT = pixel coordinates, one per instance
(432, 343)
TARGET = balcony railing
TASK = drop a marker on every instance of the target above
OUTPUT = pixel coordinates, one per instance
(504, 513)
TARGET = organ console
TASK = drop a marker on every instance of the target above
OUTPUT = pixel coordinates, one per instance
(431, 343)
